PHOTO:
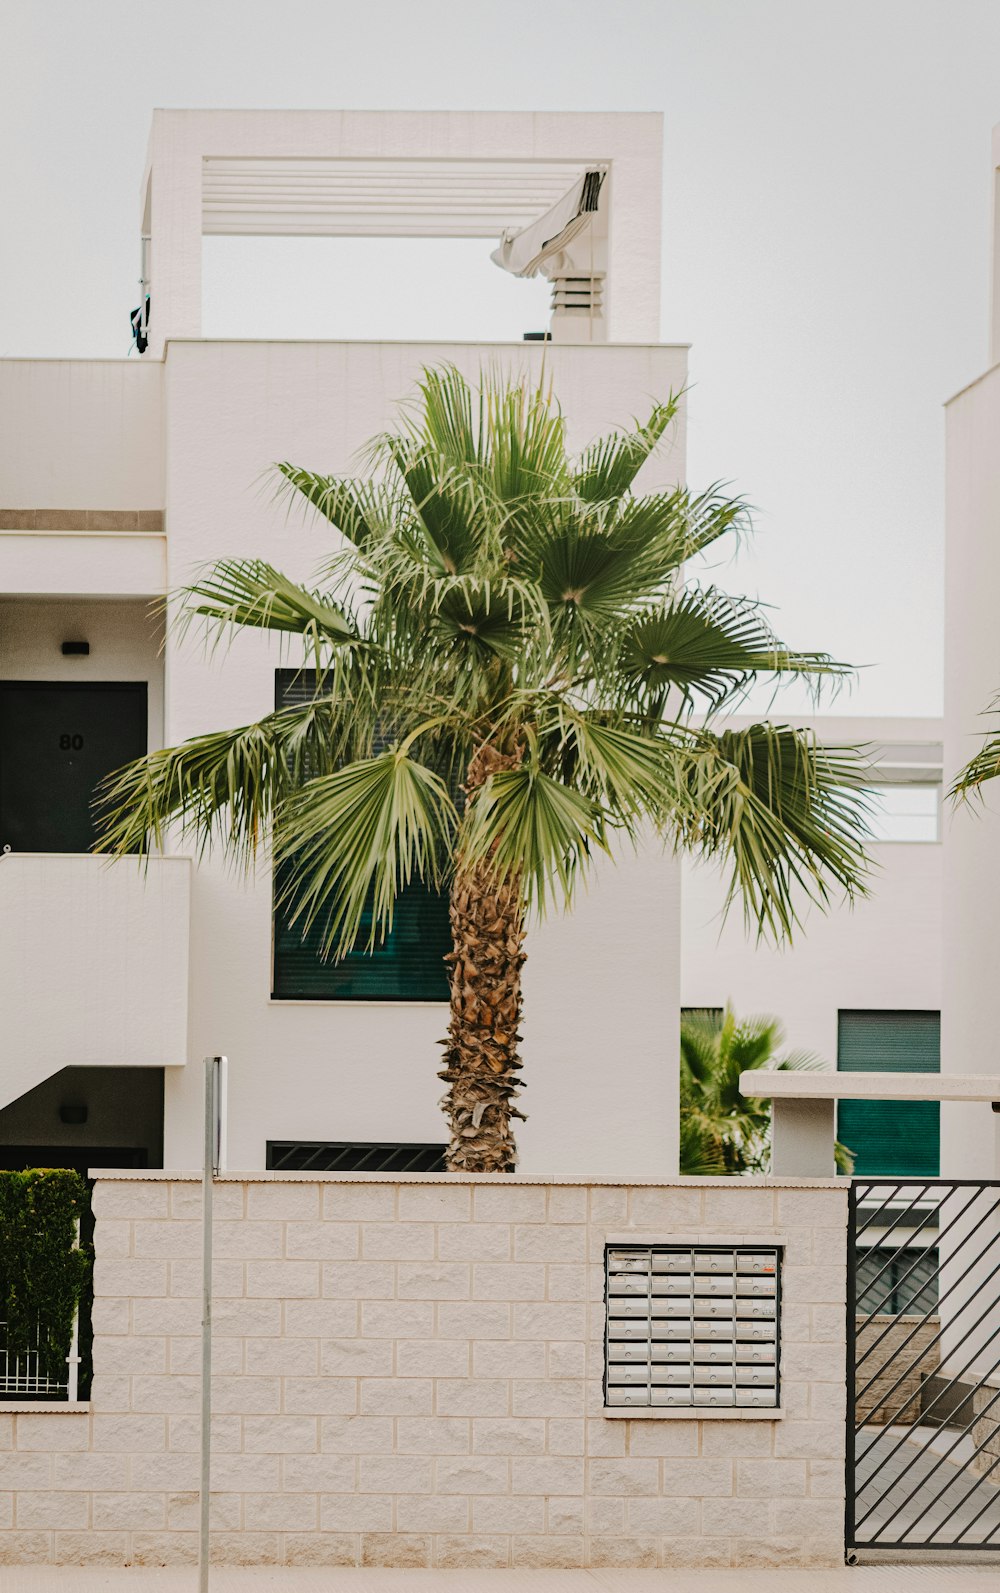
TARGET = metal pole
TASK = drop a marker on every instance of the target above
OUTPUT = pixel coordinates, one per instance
(213, 1145)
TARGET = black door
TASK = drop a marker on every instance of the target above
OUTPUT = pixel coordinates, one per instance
(58, 740)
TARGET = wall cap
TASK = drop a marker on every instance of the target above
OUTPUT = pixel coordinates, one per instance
(44, 1407)
(511, 1180)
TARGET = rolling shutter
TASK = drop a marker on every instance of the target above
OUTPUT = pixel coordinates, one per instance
(892, 1138)
(408, 965)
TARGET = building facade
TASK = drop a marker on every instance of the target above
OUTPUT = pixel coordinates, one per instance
(859, 987)
(120, 479)
(972, 678)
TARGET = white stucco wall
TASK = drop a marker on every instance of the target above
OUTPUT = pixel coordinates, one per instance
(81, 434)
(601, 986)
(95, 965)
(971, 1140)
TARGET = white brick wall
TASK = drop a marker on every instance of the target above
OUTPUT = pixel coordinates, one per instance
(410, 1373)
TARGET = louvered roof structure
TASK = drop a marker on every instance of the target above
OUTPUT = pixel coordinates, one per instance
(574, 196)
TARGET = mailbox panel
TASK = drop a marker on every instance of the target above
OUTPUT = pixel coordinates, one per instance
(692, 1327)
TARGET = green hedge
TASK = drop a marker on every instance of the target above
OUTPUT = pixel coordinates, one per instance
(42, 1274)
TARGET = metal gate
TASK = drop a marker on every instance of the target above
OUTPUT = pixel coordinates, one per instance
(923, 1365)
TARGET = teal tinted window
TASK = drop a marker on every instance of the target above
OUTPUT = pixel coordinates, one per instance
(408, 965)
(893, 1138)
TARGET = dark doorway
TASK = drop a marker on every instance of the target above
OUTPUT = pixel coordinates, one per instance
(86, 1117)
(58, 741)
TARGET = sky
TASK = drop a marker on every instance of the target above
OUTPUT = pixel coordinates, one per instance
(827, 191)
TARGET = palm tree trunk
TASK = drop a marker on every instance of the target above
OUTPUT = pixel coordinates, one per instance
(480, 1053)
(481, 1060)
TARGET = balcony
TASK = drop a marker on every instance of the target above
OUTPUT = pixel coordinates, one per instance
(94, 960)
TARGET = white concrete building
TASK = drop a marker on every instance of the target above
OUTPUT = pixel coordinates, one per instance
(972, 679)
(119, 479)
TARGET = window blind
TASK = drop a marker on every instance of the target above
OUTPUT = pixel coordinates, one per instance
(891, 1138)
(406, 965)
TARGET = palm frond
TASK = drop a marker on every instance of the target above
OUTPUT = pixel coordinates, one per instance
(627, 773)
(349, 841)
(710, 515)
(445, 505)
(532, 827)
(223, 787)
(981, 768)
(524, 452)
(703, 643)
(359, 510)
(701, 1151)
(446, 417)
(238, 594)
(785, 815)
(608, 468)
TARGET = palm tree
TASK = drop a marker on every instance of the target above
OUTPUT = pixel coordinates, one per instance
(722, 1130)
(507, 667)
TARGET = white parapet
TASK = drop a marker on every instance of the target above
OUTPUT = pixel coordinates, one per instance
(792, 1085)
(95, 965)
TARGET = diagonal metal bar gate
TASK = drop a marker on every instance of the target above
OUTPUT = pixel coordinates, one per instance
(923, 1365)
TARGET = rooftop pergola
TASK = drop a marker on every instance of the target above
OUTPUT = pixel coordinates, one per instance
(574, 196)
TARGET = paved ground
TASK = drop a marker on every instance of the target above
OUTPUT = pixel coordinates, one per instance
(919, 1492)
(861, 1579)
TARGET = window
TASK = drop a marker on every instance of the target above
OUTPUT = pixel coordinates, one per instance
(407, 965)
(353, 1156)
(896, 1138)
(692, 1326)
(904, 813)
(895, 1282)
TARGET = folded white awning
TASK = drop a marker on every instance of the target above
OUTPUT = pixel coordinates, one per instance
(525, 251)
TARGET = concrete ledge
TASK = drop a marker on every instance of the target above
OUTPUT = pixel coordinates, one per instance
(44, 1407)
(695, 1413)
(147, 1175)
(795, 1086)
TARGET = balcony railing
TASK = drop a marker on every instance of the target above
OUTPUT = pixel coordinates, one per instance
(24, 1376)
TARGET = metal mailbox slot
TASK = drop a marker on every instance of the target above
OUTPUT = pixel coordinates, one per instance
(692, 1327)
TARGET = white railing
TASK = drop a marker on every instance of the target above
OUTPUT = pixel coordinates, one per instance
(23, 1376)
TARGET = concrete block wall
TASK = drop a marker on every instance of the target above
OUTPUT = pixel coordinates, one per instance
(986, 1431)
(895, 1354)
(409, 1372)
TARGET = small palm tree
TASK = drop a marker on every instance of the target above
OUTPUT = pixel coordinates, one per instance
(507, 667)
(722, 1130)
